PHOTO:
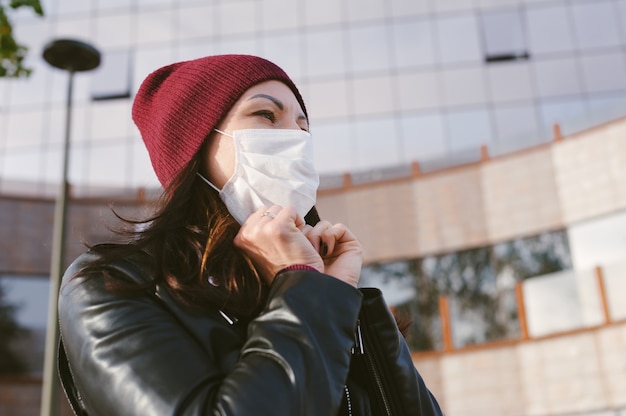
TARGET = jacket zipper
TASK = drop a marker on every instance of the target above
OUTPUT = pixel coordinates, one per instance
(371, 364)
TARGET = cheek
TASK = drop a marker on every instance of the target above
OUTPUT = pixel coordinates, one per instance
(219, 161)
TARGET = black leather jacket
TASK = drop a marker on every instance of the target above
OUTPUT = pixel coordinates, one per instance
(146, 355)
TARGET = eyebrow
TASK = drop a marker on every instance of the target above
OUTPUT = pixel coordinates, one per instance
(277, 103)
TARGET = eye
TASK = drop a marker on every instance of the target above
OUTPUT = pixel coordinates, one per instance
(266, 114)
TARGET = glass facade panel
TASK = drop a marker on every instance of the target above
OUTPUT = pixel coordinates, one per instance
(23, 165)
(510, 81)
(457, 39)
(334, 149)
(420, 90)
(197, 22)
(274, 47)
(113, 31)
(287, 18)
(107, 164)
(141, 173)
(452, 5)
(70, 7)
(423, 136)
(148, 60)
(327, 100)
(516, 126)
(412, 43)
(562, 111)
(25, 129)
(322, 12)
(557, 77)
(469, 129)
(110, 120)
(464, 86)
(372, 95)
(360, 10)
(606, 72)
(596, 24)
(504, 34)
(250, 46)
(375, 145)
(154, 27)
(403, 8)
(238, 17)
(549, 30)
(369, 48)
(112, 78)
(324, 53)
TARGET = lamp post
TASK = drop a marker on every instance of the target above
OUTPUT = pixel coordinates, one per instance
(72, 56)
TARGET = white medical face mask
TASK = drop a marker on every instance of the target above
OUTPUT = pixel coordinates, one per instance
(272, 167)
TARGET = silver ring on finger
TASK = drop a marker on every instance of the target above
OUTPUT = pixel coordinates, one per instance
(268, 214)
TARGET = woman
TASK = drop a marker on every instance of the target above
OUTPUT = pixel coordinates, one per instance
(227, 301)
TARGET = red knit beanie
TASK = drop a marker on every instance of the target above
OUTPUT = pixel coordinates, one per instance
(179, 105)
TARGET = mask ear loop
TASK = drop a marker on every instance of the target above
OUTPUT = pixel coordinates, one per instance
(208, 182)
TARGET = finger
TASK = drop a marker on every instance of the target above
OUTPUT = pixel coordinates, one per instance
(315, 236)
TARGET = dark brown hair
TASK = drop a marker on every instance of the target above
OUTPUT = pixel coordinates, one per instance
(189, 244)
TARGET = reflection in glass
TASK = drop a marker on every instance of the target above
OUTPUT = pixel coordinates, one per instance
(479, 283)
(23, 309)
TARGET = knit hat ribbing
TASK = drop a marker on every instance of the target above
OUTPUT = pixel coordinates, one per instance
(179, 105)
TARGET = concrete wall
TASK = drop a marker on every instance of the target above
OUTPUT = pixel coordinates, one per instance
(581, 372)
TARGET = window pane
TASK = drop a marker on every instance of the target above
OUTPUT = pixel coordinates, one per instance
(516, 127)
(107, 164)
(369, 48)
(333, 147)
(238, 17)
(286, 19)
(420, 90)
(325, 53)
(469, 129)
(566, 112)
(285, 51)
(112, 79)
(327, 100)
(112, 31)
(604, 72)
(504, 35)
(510, 81)
(452, 5)
(321, 12)
(197, 21)
(372, 95)
(404, 8)
(413, 43)
(458, 39)
(110, 120)
(596, 24)
(365, 10)
(464, 86)
(557, 77)
(376, 145)
(549, 30)
(423, 137)
(155, 27)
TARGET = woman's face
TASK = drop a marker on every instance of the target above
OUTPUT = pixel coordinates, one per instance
(268, 105)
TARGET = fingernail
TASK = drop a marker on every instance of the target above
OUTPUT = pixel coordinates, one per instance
(324, 249)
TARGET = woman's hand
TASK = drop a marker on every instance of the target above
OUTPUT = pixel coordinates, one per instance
(273, 239)
(340, 249)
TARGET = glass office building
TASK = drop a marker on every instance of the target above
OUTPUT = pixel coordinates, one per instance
(387, 82)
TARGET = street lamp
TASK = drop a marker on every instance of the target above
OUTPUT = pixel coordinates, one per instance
(72, 56)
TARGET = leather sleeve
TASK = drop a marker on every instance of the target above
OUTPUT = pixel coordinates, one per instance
(383, 341)
(130, 355)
